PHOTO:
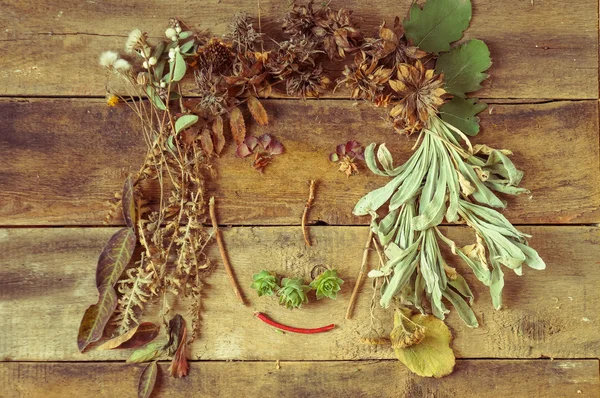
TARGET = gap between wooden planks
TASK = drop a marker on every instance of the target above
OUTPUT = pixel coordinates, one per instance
(47, 281)
(539, 50)
(68, 157)
(527, 379)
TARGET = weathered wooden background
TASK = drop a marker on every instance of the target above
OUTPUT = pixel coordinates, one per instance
(63, 153)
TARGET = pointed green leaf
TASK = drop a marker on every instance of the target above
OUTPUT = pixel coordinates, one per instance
(185, 122)
(463, 67)
(464, 311)
(461, 113)
(114, 257)
(438, 24)
(96, 316)
(146, 353)
(147, 380)
(178, 67)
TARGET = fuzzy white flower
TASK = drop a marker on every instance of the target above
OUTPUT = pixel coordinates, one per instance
(152, 61)
(163, 84)
(178, 29)
(145, 65)
(170, 32)
(174, 38)
(122, 65)
(133, 41)
(108, 58)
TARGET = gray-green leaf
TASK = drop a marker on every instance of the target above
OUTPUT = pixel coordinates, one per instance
(463, 67)
(438, 24)
(185, 122)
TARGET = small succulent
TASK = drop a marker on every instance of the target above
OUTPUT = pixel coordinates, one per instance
(327, 284)
(292, 293)
(264, 283)
(266, 147)
(346, 156)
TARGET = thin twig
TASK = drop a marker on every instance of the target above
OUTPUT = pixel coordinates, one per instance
(361, 275)
(309, 202)
(217, 232)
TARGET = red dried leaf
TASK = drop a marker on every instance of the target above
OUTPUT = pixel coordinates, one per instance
(238, 126)
(264, 140)
(136, 337)
(147, 380)
(276, 148)
(219, 138)
(114, 257)
(251, 142)
(341, 149)
(242, 151)
(206, 142)
(128, 202)
(258, 111)
(179, 365)
(95, 317)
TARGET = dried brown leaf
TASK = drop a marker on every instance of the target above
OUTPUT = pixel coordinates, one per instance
(128, 202)
(114, 257)
(258, 111)
(95, 317)
(238, 126)
(179, 365)
(206, 142)
(135, 337)
(146, 353)
(219, 138)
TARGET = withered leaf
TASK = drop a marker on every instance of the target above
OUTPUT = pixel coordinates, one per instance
(238, 126)
(128, 203)
(96, 316)
(147, 380)
(146, 353)
(219, 138)
(114, 257)
(179, 365)
(176, 330)
(258, 111)
(133, 338)
(206, 142)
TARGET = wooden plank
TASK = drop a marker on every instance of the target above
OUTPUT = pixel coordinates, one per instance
(67, 157)
(47, 281)
(541, 378)
(539, 50)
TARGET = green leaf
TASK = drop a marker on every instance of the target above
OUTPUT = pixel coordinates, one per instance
(155, 98)
(185, 35)
(147, 380)
(146, 353)
(438, 24)
(178, 67)
(375, 199)
(128, 203)
(464, 311)
(185, 122)
(158, 50)
(114, 257)
(463, 67)
(432, 357)
(186, 46)
(461, 113)
(96, 316)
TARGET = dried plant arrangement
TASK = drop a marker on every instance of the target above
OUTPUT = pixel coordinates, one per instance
(410, 68)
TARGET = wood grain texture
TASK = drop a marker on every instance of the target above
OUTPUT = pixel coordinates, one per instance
(527, 379)
(67, 157)
(47, 281)
(541, 49)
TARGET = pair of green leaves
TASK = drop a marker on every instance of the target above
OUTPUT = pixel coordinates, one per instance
(434, 28)
(115, 256)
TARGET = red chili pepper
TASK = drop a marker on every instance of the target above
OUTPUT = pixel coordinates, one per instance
(271, 322)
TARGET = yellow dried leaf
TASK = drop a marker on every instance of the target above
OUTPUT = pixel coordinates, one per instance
(238, 126)
(258, 111)
(432, 357)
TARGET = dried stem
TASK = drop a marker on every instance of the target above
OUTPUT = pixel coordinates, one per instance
(361, 275)
(217, 232)
(309, 202)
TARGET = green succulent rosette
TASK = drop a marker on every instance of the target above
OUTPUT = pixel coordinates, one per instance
(327, 284)
(292, 293)
(264, 283)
